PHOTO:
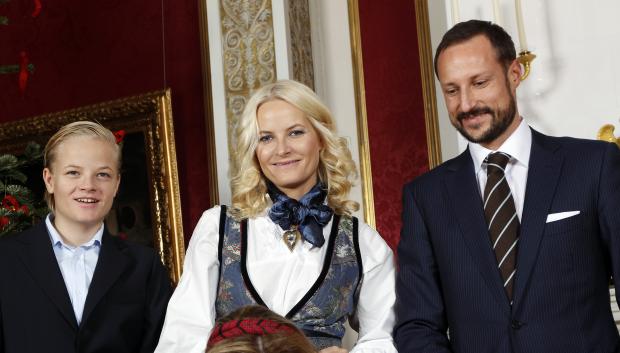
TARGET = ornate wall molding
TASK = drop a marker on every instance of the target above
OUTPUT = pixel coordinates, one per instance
(248, 55)
(301, 42)
(433, 139)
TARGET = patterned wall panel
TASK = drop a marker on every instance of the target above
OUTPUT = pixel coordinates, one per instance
(248, 54)
(301, 42)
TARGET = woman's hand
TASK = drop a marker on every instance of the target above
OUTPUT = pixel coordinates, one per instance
(333, 349)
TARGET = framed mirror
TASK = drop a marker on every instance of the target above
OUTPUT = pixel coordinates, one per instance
(147, 208)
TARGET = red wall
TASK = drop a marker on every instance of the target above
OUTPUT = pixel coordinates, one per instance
(394, 104)
(87, 52)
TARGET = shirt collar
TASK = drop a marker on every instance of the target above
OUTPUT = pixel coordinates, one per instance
(56, 239)
(518, 146)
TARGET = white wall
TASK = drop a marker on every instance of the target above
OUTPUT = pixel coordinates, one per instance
(333, 73)
(451, 142)
(574, 85)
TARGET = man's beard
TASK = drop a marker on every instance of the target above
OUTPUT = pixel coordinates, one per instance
(500, 121)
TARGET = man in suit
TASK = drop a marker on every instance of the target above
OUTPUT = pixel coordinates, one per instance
(67, 285)
(510, 246)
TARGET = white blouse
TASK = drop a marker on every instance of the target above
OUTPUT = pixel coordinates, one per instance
(191, 311)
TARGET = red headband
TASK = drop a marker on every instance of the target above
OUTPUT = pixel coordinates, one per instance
(249, 326)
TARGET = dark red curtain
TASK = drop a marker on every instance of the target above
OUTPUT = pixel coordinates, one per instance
(395, 109)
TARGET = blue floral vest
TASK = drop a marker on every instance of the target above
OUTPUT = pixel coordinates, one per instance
(321, 313)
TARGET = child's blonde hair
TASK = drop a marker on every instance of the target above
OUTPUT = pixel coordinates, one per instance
(75, 129)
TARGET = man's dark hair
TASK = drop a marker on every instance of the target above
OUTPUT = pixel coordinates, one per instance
(463, 31)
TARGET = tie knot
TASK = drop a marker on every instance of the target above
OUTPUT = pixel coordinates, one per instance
(496, 162)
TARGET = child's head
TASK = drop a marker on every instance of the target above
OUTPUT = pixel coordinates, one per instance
(256, 329)
(81, 172)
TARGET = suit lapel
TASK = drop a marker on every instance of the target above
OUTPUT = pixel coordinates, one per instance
(462, 189)
(38, 257)
(111, 264)
(542, 178)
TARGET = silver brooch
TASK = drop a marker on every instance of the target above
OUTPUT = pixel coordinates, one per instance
(291, 237)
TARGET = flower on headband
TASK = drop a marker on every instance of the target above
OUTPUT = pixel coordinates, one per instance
(119, 135)
(249, 326)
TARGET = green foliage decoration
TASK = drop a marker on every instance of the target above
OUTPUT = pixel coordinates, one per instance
(19, 209)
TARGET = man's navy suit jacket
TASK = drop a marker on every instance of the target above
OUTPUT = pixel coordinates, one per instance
(448, 276)
(124, 309)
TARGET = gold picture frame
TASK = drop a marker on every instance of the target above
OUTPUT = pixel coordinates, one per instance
(431, 116)
(355, 36)
(149, 114)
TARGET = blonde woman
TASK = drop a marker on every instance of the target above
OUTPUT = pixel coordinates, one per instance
(66, 284)
(288, 242)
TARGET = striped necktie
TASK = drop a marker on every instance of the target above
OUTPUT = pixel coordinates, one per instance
(501, 217)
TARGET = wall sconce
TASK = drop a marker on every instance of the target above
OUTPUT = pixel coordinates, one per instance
(525, 57)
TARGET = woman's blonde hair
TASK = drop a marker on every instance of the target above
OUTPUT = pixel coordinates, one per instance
(336, 167)
(75, 129)
(256, 329)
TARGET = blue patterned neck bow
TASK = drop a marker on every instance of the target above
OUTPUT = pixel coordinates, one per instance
(309, 215)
